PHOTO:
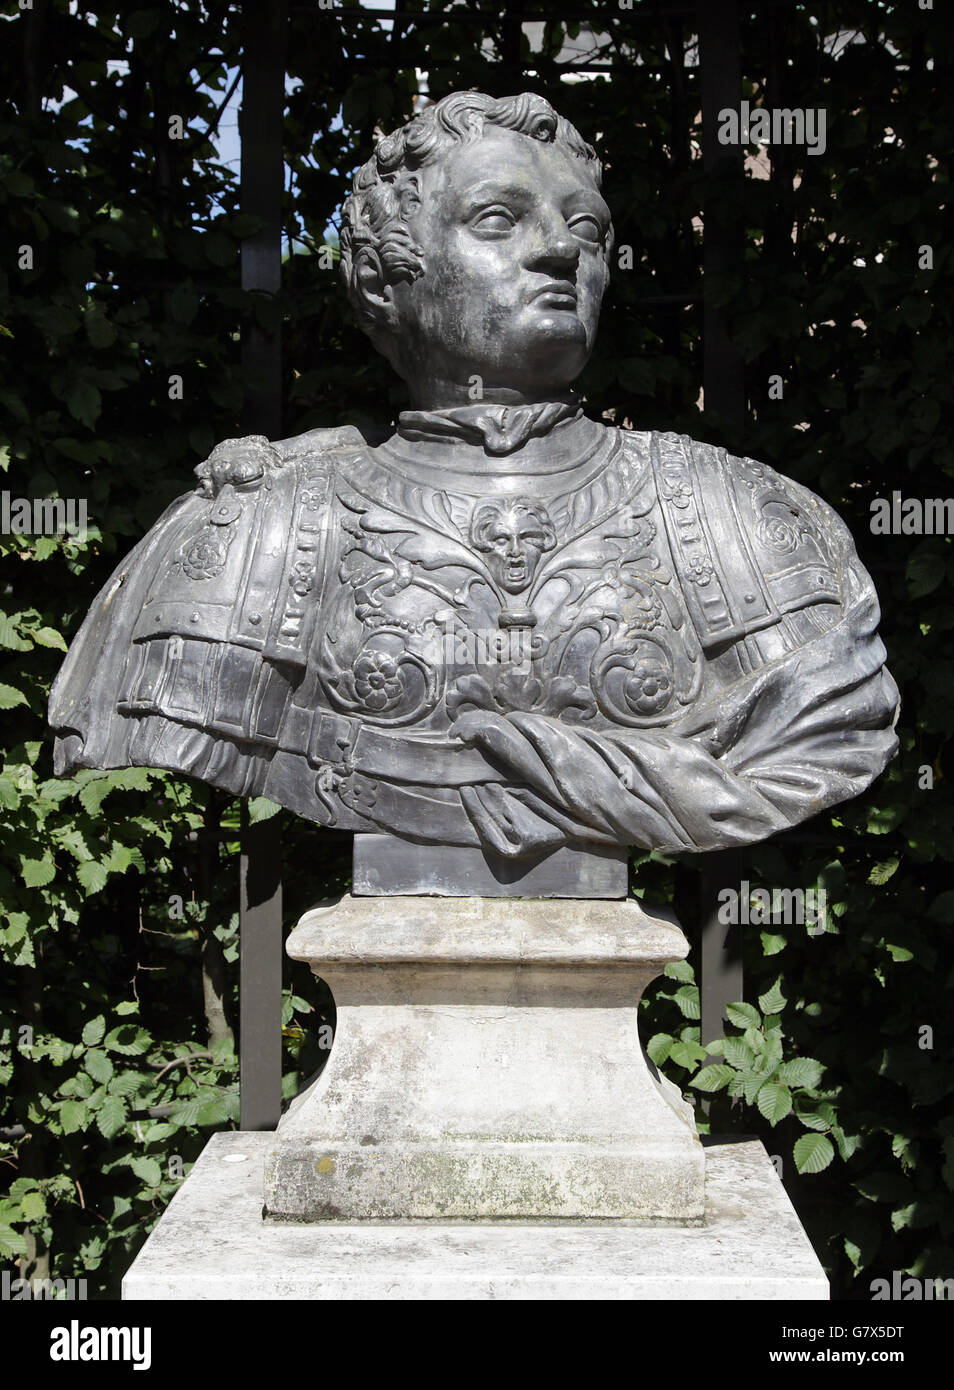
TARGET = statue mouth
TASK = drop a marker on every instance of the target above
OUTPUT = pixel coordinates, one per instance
(559, 294)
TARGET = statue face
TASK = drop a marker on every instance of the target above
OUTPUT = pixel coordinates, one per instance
(513, 233)
(513, 537)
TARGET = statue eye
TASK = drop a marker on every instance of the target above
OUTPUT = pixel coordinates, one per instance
(587, 228)
(495, 219)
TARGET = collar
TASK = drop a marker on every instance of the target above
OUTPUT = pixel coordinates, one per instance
(501, 429)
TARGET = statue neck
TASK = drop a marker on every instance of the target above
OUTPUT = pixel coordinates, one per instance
(481, 442)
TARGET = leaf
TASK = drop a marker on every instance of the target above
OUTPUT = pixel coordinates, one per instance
(94, 1030)
(12, 1243)
(743, 1015)
(84, 403)
(687, 1000)
(49, 637)
(738, 1053)
(148, 1170)
(679, 970)
(92, 875)
(111, 1116)
(813, 1118)
(10, 697)
(33, 1206)
(91, 795)
(128, 1039)
(925, 570)
(880, 873)
(772, 943)
(187, 1112)
(774, 1102)
(100, 332)
(801, 1071)
(773, 1001)
(658, 1047)
(884, 1187)
(712, 1078)
(10, 635)
(127, 1083)
(899, 953)
(38, 872)
(99, 1065)
(687, 1054)
(812, 1153)
(73, 1116)
(214, 1111)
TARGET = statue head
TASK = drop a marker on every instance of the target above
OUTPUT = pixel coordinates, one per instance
(476, 244)
(512, 532)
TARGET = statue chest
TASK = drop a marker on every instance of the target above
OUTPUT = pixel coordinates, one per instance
(568, 607)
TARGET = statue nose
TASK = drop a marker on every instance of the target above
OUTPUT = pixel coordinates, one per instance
(557, 243)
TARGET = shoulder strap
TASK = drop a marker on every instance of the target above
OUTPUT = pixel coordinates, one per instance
(723, 587)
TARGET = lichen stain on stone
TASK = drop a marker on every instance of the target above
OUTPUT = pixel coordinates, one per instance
(325, 1165)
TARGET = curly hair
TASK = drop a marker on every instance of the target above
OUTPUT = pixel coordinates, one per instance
(374, 219)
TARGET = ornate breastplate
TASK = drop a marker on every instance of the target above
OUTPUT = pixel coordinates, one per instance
(445, 601)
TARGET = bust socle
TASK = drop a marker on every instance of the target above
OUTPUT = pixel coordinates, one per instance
(509, 627)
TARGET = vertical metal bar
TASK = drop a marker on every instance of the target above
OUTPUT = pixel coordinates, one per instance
(260, 975)
(721, 64)
(724, 387)
(260, 893)
(722, 979)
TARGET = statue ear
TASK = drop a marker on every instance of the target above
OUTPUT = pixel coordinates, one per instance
(409, 199)
(374, 294)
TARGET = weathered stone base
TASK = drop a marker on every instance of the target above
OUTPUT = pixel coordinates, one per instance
(486, 1064)
(213, 1243)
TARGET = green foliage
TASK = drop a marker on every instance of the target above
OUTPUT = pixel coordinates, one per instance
(118, 1010)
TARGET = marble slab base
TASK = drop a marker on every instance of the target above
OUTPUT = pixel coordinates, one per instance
(213, 1243)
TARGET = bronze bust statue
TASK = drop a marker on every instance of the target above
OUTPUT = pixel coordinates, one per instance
(508, 627)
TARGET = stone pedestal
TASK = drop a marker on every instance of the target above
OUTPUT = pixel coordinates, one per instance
(212, 1243)
(486, 1064)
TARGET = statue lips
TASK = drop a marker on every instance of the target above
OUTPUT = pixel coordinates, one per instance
(559, 294)
(517, 570)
